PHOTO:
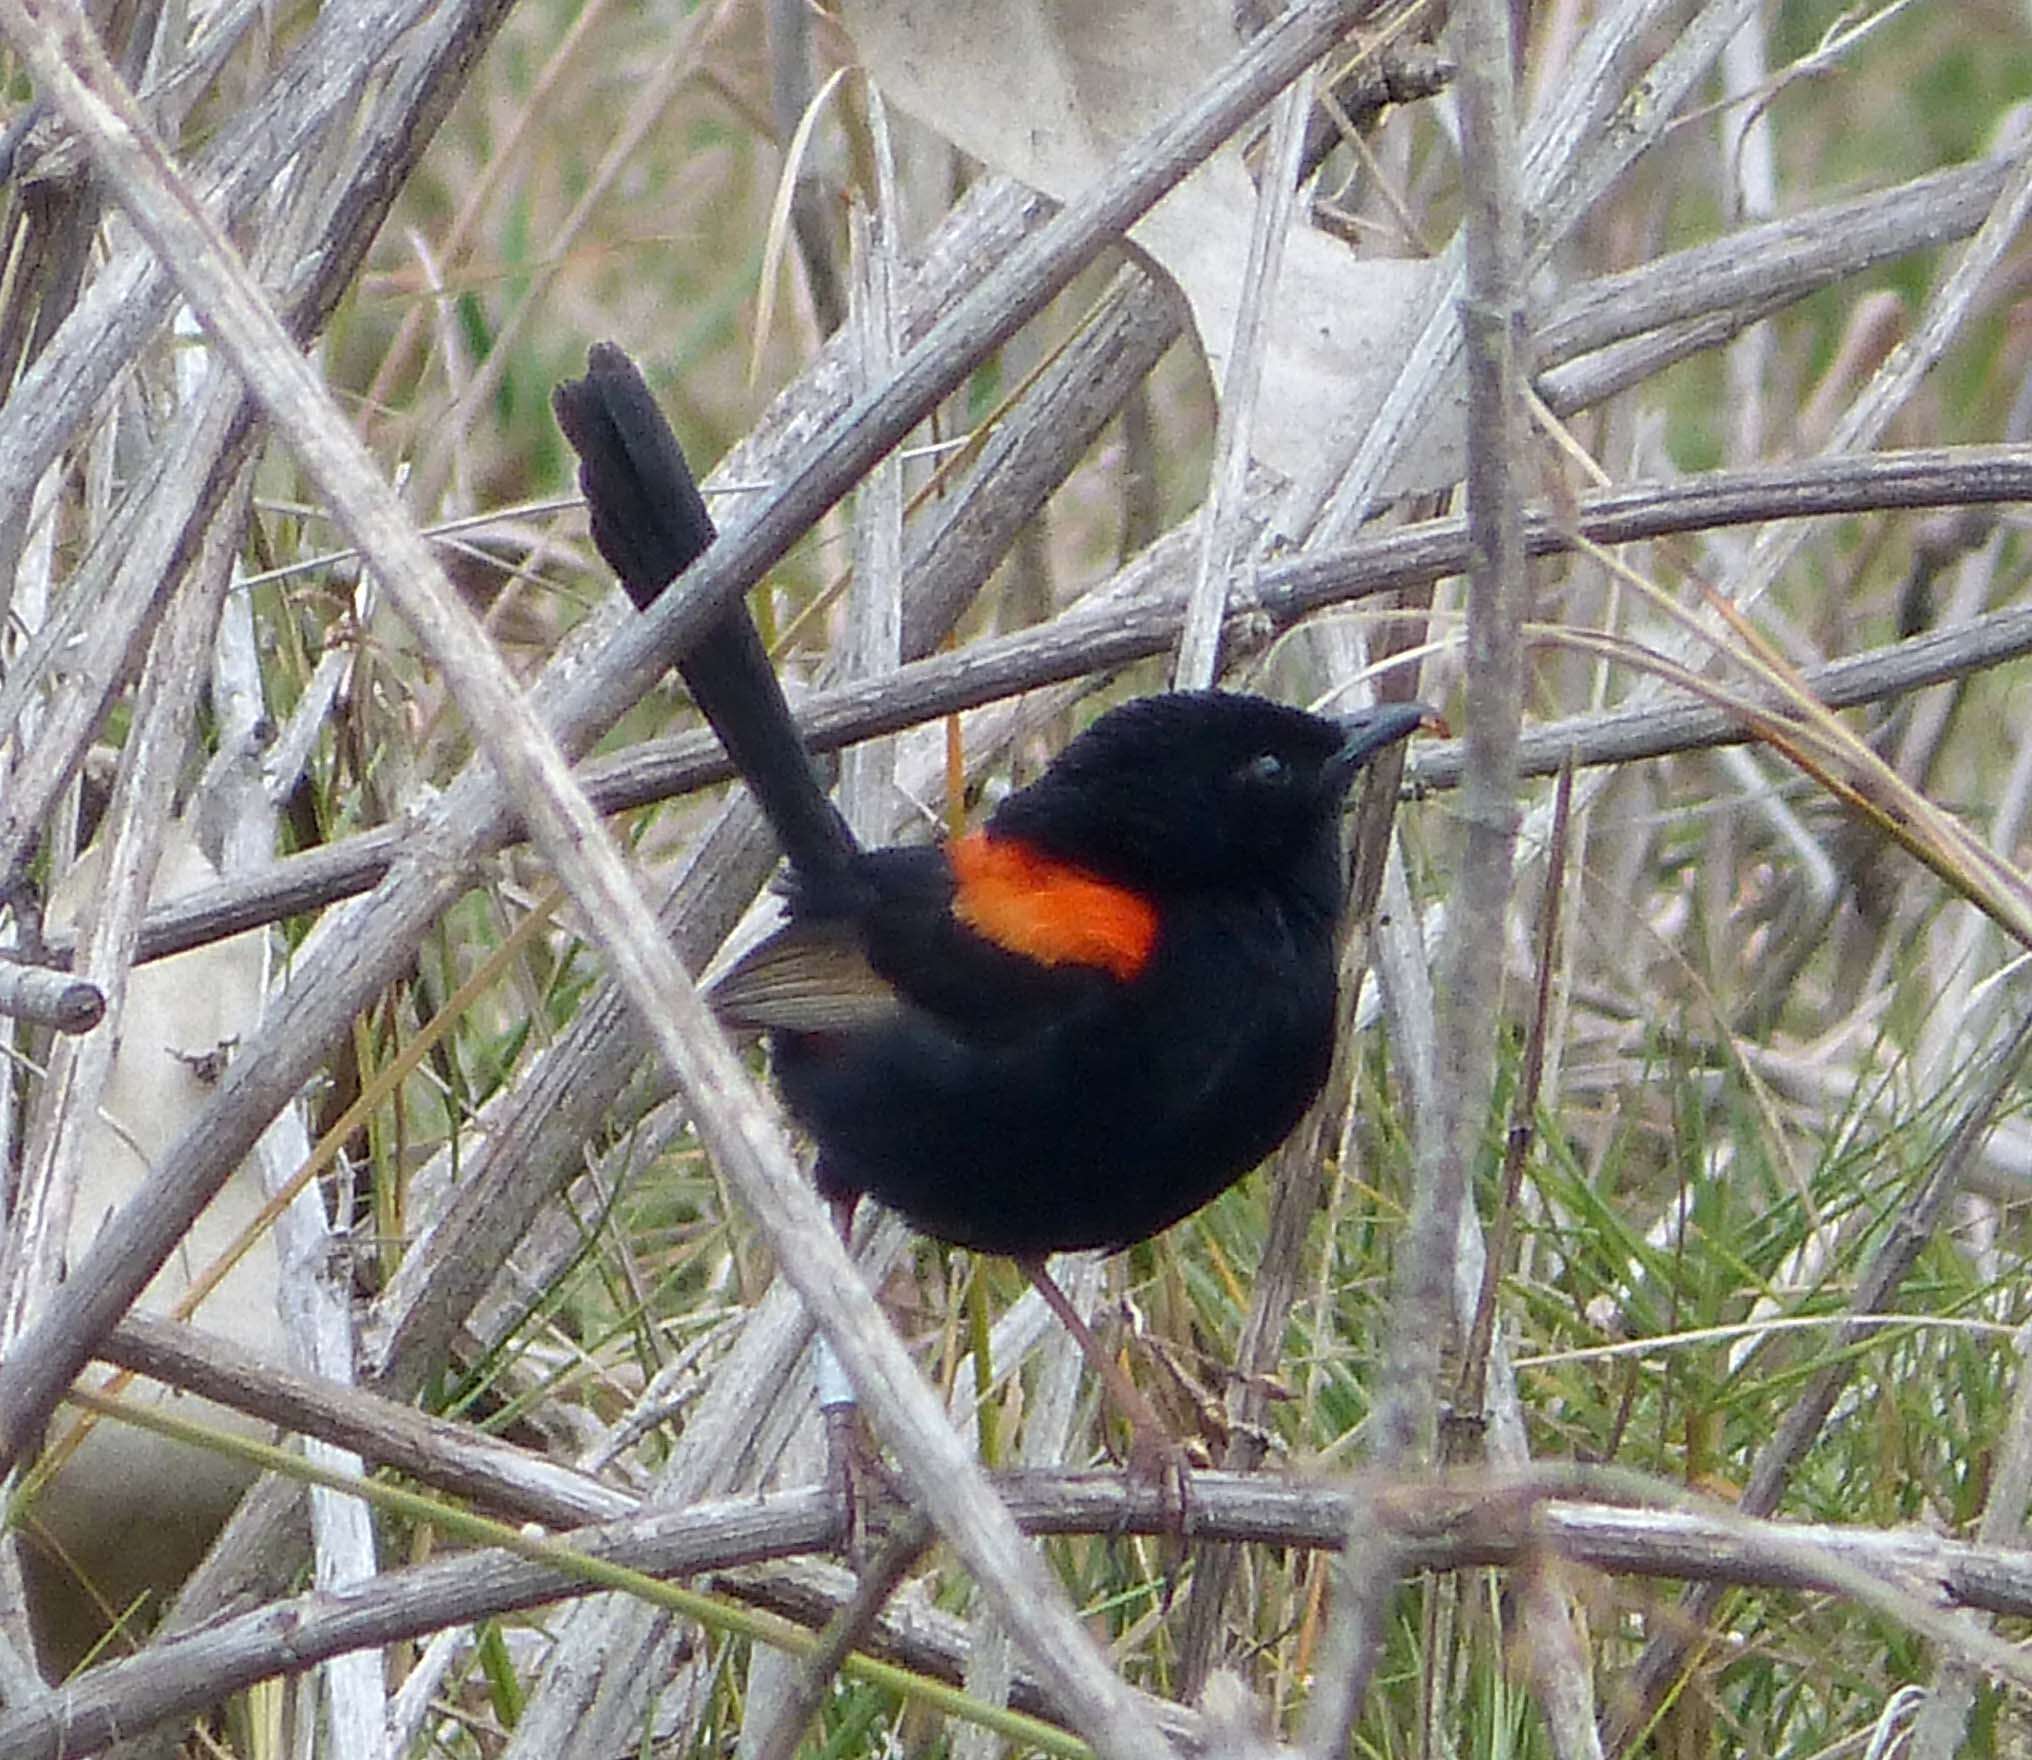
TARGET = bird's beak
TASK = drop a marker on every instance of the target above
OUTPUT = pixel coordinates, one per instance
(1367, 731)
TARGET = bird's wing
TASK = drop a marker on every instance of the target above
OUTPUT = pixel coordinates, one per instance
(899, 948)
(809, 977)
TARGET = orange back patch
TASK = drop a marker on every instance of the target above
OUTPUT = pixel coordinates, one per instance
(1048, 910)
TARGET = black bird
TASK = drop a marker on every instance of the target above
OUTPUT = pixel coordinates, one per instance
(1068, 1028)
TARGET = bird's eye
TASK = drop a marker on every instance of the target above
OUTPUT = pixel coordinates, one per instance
(1265, 767)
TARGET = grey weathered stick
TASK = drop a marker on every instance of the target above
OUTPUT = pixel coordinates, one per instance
(313, 1267)
(1735, 274)
(1907, 365)
(1572, 154)
(71, 68)
(875, 608)
(511, 1482)
(45, 998)
(1033, 273)
(114, 596)
(1469, 987)
(1082, 642)
(1222, 522)
(532, 1137)
(58, 46)
(129, 299)
(1507, 1521)
(324, 993)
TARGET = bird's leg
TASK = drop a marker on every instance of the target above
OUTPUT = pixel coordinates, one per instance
(839, 1412)
(1154, 1454)
(843, 1208)
(855, 1471)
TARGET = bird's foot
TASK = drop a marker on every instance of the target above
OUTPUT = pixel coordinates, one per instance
(872, 1501)
(1157, 1460)
(1155, 1456)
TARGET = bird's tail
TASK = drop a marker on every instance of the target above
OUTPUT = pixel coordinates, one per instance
(650, 523)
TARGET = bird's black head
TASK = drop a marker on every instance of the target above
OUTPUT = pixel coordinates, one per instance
(1202, 788)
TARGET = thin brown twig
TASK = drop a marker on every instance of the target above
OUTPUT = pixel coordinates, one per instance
(1518, 1138)
(844, 1633)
